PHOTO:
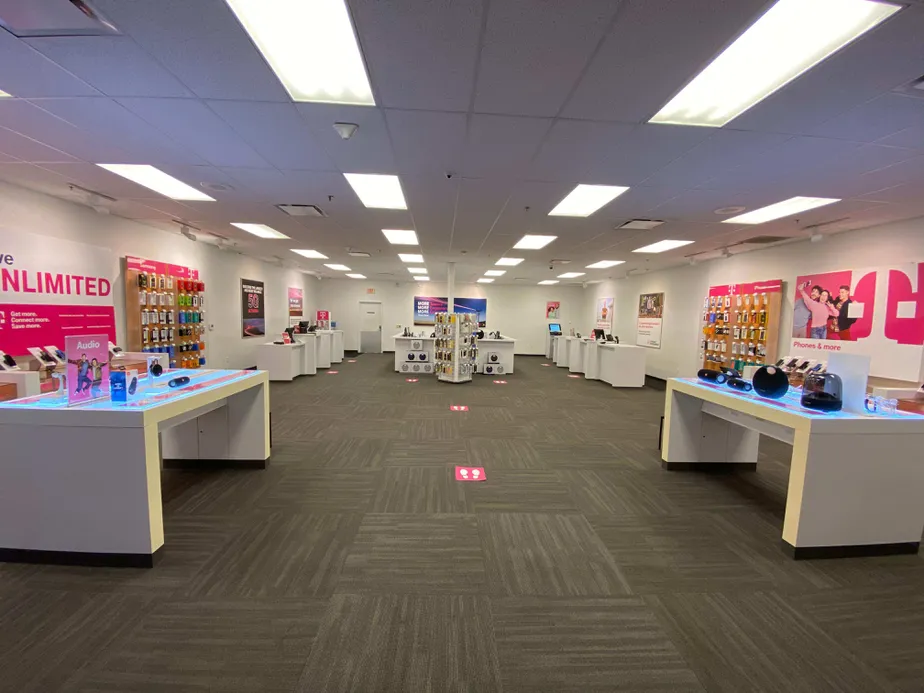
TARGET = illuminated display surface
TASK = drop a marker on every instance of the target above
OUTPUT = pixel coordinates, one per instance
(200, 380)
(791, 402)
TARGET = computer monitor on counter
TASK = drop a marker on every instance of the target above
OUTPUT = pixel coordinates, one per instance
(554, 328)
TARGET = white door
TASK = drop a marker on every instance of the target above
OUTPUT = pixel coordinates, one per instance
(370, 328)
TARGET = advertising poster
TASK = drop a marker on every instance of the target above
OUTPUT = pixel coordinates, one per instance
(253, 308)
(87, 367)
(552, 310)
(52, 288)
(296, 302)
(650, 317)
(877, 312)
(604, 319)
(426, 308)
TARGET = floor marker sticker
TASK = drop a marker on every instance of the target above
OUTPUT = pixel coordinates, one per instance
(546, 364)
(470, 474)
(410, 380)
(351, 361)
(500, 382)
(574, 376)
(332, 372)
(458, 407)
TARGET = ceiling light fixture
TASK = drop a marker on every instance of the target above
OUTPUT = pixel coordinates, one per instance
(548, 282)
(158, 181)
(789, 39)
(484, 280)
(328, 67)
(509, 261)
(356, 276)
(3, 94)
(310, 254)
(377, 191)
(260, 230)
(571, 275)
(605, 264)
(401, 236)
(662, 246)
(584, 200)
(421, 278)
(495, 273)
(529, 242)
(410, 257)
(786, 208)
(339, 268)
(417, 270)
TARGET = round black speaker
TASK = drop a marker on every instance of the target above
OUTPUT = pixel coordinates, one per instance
(770, 382)
(410, 357)
(712, 376)
(157, 370)
(739, 384)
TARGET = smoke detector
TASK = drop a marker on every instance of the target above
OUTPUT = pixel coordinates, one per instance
(346, 130)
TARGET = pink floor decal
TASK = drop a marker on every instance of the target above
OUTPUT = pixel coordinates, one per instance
(470, 474)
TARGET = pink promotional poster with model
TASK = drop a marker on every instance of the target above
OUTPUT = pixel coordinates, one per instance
(87, 367)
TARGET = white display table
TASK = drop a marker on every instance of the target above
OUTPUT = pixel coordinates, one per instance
(310, 362)
(336, 346)
(562, 349)
(28, 383)
(621, 365)
(855, 481)
(282, 361)
(495, 356)
(82, 484)
(406, 346)
(577, 348)
(325, 339)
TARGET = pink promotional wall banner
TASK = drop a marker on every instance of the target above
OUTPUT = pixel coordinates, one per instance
(53, 288)
(470, 474)
(87, 367)
(296, 302)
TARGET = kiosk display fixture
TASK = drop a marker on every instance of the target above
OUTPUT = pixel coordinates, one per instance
(456, 346)
(165, 306)
(741, 324)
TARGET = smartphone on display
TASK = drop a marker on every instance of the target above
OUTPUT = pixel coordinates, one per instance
(792, 363)
(803, 366)
(9, 361)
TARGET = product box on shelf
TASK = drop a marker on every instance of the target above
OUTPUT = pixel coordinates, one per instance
(123, 385)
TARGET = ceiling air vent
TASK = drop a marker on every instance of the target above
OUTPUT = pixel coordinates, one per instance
(641, 224)
(559, 262)
(913, 88)
(34, 18)
(764, 240)
(302, 210)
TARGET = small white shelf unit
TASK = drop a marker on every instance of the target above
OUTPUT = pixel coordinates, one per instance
(456, 346)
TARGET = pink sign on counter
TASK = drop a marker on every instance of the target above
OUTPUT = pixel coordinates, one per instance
(470, 474)
(87, 367)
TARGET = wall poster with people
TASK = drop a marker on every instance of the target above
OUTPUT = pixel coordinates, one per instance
(650, 317)
(604, 314)
(878, 312)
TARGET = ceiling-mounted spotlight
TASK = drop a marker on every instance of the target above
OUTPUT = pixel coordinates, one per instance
(184, 231)
(816, 238)
(346, 130)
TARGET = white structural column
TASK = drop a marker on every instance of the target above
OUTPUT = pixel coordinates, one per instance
(451, 288)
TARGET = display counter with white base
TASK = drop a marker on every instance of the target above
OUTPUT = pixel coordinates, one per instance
(621, 365)
(82, 484)
(27, 383)
(855, 481)
(577, 350)
(310, 362)
(325, 339)
(414, 354)
(336, 346)
(495, 356)
(562, 350)
(282, 361)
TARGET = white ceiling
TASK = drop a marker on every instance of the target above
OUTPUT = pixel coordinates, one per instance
(519, 100)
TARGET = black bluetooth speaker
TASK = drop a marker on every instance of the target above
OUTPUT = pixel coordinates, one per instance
(712, 376)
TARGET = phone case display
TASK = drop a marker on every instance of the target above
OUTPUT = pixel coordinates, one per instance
(456, 346)
(169, 313)
(741, 325)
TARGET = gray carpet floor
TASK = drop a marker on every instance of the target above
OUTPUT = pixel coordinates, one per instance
(357, 563)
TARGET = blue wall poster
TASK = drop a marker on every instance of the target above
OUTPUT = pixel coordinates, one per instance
(426, 308)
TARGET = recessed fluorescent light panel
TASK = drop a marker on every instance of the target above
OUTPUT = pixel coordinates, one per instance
(605, 264)
(786, 208)
(356, 276)
(662, 246)
(409, 257)
(509, 261)
(584, 200)
(483, 280)
(311, 254)
(339, 268)
(311, 47)
(158, 181)
(548, 282)
(401, 237)
(790, 38)
(529, 242)
(417, 270)
(571, 275)
(261, 230)
(4, 94)
(377, 191)
(495, 273)
(421, 278)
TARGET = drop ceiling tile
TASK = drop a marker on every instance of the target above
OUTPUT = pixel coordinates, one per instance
(502, 146)
(883, 116)
(26, 73)
(611, 153)
(480, 203)
(906, 193)
(427, 141)
(18, 147)
(367, 151)
(115, 65)
(654, 49)
(277, 132)
(912, 138)
(420, 53)
(432, 201)
(526, 39)
(200, 42)
(107, 120)
(7, 159)
(34, 178)
(700, 205)
(191, 124)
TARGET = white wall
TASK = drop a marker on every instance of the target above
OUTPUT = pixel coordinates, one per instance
(32, 212)
(685, 287)
(517, 311)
